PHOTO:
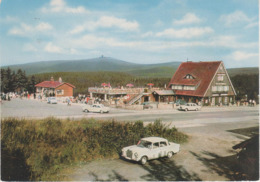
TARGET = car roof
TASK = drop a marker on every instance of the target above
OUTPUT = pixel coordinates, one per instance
(154, 139)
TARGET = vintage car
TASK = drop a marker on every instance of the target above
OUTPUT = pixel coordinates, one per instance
(52, 100)
(190, 107)
(150, 148)
(95, 108)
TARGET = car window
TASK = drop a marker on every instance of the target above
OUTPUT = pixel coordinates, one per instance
(143, 143)
(163, 144)
(155, 145)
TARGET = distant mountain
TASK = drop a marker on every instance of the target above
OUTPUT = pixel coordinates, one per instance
(98, 64)
(114, 65)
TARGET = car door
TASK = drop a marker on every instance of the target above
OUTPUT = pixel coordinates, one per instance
(93, 108)
(155, 151)
(163, 148)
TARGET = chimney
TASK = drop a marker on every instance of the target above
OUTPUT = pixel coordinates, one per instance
(60, 80)
(52, 80)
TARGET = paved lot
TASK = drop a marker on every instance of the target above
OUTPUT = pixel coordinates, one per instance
(204, 157)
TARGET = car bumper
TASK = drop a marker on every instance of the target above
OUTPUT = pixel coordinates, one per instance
(129, 158)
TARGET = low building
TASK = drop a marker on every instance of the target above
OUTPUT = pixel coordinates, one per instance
(207, 83)
(54, 88)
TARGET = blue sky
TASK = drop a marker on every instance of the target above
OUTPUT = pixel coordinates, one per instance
(138, 31)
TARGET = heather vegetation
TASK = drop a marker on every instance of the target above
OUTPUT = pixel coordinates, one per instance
(39, 149)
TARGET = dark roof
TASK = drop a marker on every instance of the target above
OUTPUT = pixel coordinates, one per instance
(203, 73)
(52, 84)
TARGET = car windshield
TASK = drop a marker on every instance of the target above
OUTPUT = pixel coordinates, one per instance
(144, 144)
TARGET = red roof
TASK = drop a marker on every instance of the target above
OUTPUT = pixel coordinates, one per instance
(202, 72)
(52, 84)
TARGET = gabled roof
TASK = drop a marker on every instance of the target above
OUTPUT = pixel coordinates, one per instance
(52, 84)
(203, 73)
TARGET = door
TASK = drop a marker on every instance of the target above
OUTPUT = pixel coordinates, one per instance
(155, 151)
(164, 148)
(213, 101)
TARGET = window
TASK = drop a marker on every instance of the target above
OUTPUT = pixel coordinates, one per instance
(156, 145)
(214, 88)
(220, 77)
(188, 76)
(59, 92)
(220, 88)
(226, 100)
(163, 144)
(226, 88)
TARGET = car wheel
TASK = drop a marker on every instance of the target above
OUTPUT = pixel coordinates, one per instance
(186, 109)
(143, 160)
(86, 110)
(169, 155)
(101, 111)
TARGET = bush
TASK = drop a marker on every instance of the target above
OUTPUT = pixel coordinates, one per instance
(49, 144)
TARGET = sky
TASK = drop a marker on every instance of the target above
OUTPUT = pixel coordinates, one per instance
(137, 31)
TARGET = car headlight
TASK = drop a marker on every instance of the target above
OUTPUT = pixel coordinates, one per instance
(136, 155)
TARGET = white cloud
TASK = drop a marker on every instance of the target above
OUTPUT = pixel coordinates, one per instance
(231, 42)
(110, 21)
(235, 18)
(189, 18)
(52, 48)
(9, 19)
(185, 32)
(43, 27)
(148, 34)
(78, 29)
(243, 56)
(60, 6)
(27, 30)
(107, 22)
(252, 25)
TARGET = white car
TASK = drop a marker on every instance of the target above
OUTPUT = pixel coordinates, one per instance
(52, 100)
(95, 108)
(150, 148)
(190, 107)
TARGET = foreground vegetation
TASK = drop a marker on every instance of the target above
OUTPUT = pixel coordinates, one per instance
(39, 149)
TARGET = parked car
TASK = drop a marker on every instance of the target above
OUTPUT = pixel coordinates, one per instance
(147, 105)
(52, 100)
(150, 148)
(95, 108)
(190, 107)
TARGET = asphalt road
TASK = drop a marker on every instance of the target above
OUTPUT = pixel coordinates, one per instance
(205, 157)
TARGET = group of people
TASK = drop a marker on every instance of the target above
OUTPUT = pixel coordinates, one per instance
(252, 102)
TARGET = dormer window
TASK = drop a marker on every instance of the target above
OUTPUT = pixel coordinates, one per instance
(189, 76)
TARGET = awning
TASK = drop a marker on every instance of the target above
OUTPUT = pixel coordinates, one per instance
(164, 92)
